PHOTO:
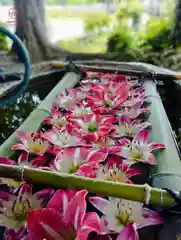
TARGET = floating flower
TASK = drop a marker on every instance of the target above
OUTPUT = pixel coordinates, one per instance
(60, 139)
(116, 170)
(78, 160)
(31, 143)
(132, 112)
(128, 127)
(57, 119)
(139, 150)
(104, 102)
(68, 98)
(64, 218)
(93, 126)
(118, 213)
(14, 209)
(80, 110)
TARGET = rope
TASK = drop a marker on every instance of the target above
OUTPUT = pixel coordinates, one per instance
(26, 60)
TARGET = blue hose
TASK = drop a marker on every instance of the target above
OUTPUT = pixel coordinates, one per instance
(26, 60)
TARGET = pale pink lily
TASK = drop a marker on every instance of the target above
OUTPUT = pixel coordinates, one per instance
(103, 102)
(31, 143)
(128, 127)
(14, 208)
(57, 119)
(68, 98)
(79, 160)
(116, 170)
(93, 126)
(139, 150)
(132, 112)
(61, 139)
(80, 110)
(118, 213)
(65, 218)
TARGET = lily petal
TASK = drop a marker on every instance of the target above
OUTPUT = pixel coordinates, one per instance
(99, 203)
(91, 223)
(6, 161)
(142, 136)
(129, 233)
(76, 209)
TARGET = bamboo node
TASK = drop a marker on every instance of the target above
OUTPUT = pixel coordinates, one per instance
(147, 194)
(22, 169)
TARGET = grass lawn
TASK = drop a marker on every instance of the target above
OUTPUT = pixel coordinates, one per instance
(69, 13)
(79, 45)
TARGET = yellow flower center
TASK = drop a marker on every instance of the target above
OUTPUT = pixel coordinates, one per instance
(37, 146)
(115, 175)
(20, 210)
(124, 214)
(136, 154)
(12, 183)
(61, 122)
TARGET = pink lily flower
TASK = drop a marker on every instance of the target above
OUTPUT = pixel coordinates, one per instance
(116, 170)
(68, 98)
(139, 150)
(14, 209)
(57, 119)
(61, 139)
(134, 111)
(128, 127)
(65, 218)
(78, 160)
(93, 126)
(31, 143)
(80, 110)
(103, 102)
(118, 213)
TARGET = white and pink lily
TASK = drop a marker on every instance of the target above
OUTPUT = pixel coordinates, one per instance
(116, 170)
(139, 150)
(79, 160)
(65, 218)
(61, 139)
(68, 98)
(57, 119)
(93, 126)
(118, 213)
(31, 143)
(132, 112)
(80, 111)
(14, 208)
(128, 127)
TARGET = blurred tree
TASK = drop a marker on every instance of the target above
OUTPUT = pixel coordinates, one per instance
(31, 29)
(176, 36)
(130, 9)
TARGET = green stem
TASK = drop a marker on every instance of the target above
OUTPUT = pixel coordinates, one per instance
(139, 193)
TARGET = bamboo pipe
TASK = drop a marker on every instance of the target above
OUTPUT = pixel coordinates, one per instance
(140, 193)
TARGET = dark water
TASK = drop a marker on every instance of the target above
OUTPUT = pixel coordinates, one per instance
(171, 98)
(12, 117)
